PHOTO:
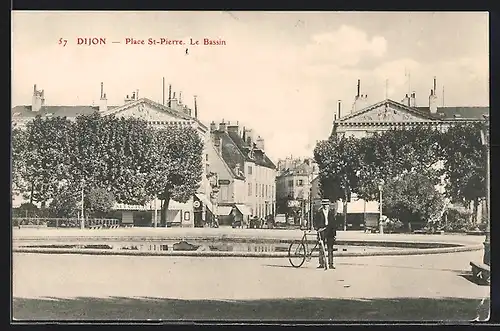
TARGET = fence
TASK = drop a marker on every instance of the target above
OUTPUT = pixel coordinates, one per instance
(40, 222)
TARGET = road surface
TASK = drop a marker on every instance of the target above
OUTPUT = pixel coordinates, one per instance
(425, 287)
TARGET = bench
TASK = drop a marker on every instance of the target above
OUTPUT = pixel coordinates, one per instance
(481, 271)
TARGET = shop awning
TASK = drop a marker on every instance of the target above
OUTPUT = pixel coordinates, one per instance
(203, 198)
(244, 209)
(224, 210)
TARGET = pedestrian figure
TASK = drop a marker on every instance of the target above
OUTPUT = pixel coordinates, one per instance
(325, 218)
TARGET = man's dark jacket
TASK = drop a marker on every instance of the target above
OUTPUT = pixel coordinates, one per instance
(319, 221)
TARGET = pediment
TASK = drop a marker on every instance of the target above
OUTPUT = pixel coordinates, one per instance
(389, 112)
(149, 111)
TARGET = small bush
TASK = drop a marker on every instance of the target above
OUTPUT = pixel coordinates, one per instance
(459, 221)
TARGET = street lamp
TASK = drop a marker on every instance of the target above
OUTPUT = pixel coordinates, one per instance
(380, 189)
(485, 135)
(82, 223)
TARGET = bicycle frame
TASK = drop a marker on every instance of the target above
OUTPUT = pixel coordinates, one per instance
(319, 245)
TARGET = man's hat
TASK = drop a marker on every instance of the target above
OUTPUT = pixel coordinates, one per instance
(325, 202)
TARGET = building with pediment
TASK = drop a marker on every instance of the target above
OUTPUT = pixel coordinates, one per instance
(364, 119)
(174, 112)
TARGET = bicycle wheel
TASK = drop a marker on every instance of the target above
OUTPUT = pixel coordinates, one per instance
(297, 254)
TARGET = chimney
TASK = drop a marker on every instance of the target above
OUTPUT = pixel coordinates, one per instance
(133, 95)
(163, 91)
(195, 108)
(249, 137)
(432, 103)
(413, 102)
(218, 144)
(102, 90)
(213, 127)
(222, 126)
(339, 114)
(169, 94)
(233, 127)
(103, 102)
(37, 99)
(360, 101)
(180, 97)
(260, 143)
(137, 94)
(406, 100)
(174, 104)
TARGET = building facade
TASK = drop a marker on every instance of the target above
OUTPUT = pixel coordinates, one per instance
(246, 175)
(364, 119)
(173, 113)
(294, 185)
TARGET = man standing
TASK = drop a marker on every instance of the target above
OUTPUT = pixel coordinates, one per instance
(325, 218)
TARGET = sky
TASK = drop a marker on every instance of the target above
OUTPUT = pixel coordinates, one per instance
(280, 73)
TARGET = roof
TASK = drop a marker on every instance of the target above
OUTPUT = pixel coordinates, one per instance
(302, 169)
(463, 112)
(235, 152)
(259, 157)
(231, 154)
(62, 111)
(443, 113)
(24, 112)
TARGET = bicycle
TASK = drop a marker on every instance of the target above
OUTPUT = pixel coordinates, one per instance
(299, 249)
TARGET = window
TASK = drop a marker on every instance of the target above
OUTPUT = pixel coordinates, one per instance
(262, 191)
(249, 170)
(256, 189)
(206, 157)
(266, 191)
(290, 183)
(300, 182)
(249, 189)
(224, 194)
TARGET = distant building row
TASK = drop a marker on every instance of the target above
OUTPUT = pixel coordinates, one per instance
(239, 179)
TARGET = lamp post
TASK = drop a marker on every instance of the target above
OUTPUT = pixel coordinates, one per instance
(485, 135)
(380, 189)
(82, 223)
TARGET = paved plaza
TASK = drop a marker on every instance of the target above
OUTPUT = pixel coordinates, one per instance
(421, 287)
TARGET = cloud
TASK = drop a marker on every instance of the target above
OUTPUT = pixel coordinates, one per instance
(344, 47)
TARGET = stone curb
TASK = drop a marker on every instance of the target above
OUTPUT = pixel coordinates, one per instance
(263, 241)
(239, 254)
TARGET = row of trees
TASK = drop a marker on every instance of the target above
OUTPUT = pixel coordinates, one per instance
(410, 162)
(55, 158)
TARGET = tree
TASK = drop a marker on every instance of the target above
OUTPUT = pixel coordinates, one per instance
(99, 202)
(45, 156)
(113, 154)
(27, 209)
(18, 166)
(65, 202)
(338, 163)
(465, 164)
(412, 198)
(177, 165)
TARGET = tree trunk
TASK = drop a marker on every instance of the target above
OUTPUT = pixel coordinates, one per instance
(477, 218)
(164, 209)
(31, 194)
